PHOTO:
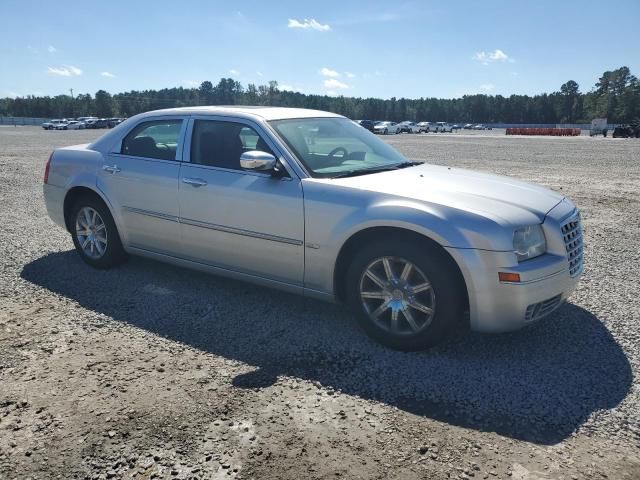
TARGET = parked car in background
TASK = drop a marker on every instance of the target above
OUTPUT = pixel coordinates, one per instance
(408, 127)
(113, 122)
(73, 125)
(52, 124)
(86, 119)
(479, 126)
(456, 126)
(423, 127)
(626, 131)
(433, 127)
(308, 202)
(445, 127)
(97, 123)
(385, 128)
(62, 125)
(368, 124)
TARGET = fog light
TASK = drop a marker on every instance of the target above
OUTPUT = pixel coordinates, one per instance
(508, 277)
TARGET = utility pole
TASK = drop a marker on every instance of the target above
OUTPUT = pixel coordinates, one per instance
(72, 103)
(71, 90)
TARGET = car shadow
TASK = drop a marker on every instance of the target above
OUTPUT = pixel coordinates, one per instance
(538, 384)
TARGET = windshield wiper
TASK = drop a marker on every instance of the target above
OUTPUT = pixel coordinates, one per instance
(364, 171)
(408, 164)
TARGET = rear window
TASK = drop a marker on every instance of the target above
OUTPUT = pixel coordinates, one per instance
(158, 139)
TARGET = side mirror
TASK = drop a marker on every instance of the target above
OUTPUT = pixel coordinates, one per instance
(257, 160)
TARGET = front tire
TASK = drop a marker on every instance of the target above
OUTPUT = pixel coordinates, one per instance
(404, 295)
(95, 235)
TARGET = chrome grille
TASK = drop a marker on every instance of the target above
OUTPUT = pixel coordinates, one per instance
(536, 311)
(572, 234)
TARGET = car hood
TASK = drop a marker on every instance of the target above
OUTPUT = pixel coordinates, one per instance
(502, 199)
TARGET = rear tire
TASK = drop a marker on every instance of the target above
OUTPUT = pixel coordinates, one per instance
(94, 234)
(392, 305)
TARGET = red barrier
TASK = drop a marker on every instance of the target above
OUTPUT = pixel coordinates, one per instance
(556, 132)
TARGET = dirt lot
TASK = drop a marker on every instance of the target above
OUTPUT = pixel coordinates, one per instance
(151, 371)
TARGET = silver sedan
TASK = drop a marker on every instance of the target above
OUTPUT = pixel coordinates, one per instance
(309, 202)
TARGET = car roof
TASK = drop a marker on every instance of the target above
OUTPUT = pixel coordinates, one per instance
(256, 113)
(247, 111)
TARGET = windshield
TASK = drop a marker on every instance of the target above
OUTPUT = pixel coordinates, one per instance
(329, 147)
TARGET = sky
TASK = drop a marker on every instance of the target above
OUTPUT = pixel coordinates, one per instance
(384, 49)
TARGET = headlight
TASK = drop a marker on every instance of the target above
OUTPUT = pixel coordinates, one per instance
(529, 242)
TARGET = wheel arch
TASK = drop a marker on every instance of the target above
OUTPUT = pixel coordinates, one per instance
(72, 196)
(373, 234)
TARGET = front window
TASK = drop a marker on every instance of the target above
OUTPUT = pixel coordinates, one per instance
(220, 143)
(330, 147)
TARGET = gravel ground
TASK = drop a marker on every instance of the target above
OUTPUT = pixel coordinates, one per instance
(152, 371)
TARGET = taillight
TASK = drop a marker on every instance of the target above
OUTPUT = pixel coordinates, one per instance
(46, 169)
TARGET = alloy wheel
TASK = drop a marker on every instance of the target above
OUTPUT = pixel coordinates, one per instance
(91, 232)
(397, 296)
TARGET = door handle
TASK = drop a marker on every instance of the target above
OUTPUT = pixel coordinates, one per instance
(194, 182)
(111, 168)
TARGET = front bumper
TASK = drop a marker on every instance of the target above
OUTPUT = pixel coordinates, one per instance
(496, 306)
(545, 282)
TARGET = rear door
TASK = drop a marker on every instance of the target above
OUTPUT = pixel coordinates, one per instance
(140, 179)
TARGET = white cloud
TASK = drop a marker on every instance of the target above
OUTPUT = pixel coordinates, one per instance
(332, 84)
(74, 70)
(487, 87)
(308, 24)
(233, 71)
(327, 72)
(65, 71)
(52, 49)
(191, 83)
(498, 55)
(350, 75)
(107, 74)
(259, 73)
(491, 57)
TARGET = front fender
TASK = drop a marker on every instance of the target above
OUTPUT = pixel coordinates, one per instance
(334, 215)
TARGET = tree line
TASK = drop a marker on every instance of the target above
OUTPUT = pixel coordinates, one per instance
(616, 95)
